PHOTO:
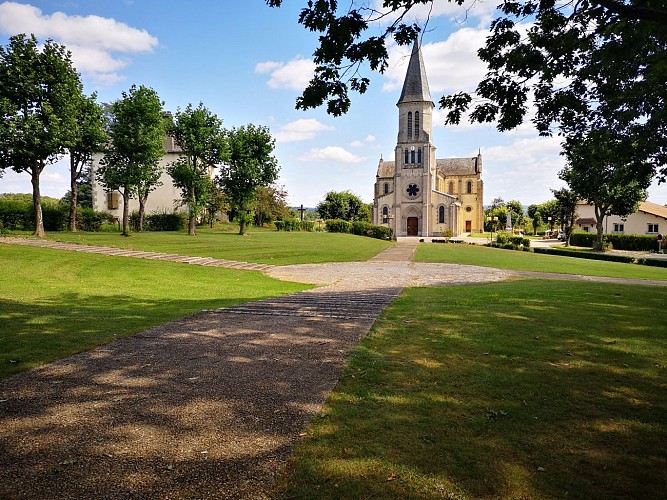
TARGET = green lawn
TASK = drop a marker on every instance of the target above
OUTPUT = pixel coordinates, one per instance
(54, 303)
(528, 261)
(520, 389)
(259, 246)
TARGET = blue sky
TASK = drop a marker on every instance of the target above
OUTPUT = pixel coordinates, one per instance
(248, 62)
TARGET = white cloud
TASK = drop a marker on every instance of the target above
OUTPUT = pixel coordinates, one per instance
(452, 65)
(93, 40)
(301, 130)
(332, 154)
(370, 139)
(293, 75)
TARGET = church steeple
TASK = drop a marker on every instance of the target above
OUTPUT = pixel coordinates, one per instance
(415, 86)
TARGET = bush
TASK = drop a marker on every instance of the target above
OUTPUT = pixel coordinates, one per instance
(55, 217)
(361, 228)
(88, 219)
(307, 225)
(280, 225)
(652, 262)
(582, 239)
(160, 221)
(16, 215)
(586, 255)
(338, 226)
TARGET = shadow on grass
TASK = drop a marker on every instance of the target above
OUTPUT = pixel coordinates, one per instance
(204, 407)
(530, 389)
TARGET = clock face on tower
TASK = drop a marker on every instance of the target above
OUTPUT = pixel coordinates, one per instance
(412, 190)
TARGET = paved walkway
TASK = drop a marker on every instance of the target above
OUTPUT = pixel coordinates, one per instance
(205, 407)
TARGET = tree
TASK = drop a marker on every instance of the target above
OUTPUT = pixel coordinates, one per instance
(90, 138)
(343, 205)
(516, 208)
(548, 212)
(38, 91)
(84, 189)
(199, 134)
(130, 163)
(249, 166)
(567, 210)
(270, 205)
(607, 172)
(533, 213)
(594, 62)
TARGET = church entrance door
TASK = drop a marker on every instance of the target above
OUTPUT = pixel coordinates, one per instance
(413, 226)
(468, 226)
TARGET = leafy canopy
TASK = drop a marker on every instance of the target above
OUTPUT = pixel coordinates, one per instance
(250, 164)
(586, 64)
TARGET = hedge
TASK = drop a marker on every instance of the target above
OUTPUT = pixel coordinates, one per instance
(167, 221)
(20, 216)
(359, 228)
(653, 262)
(294, 225)
(631, 242)
(518, 241)
(586, 255)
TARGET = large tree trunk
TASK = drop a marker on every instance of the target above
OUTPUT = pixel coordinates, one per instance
(37, 201)
(142, 211)
(192, 220)
(74, 192)
(599, 219)
(126, 211)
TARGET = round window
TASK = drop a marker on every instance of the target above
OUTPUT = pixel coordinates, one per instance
(468, 209)
(412, 190)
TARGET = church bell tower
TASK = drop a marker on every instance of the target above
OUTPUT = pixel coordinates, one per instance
(415, 162)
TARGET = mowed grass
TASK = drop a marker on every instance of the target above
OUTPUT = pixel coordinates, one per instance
(54, 303)
(528, 261)
(520, 389)
(258, 246)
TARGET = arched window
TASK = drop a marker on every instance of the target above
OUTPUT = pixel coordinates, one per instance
(451, 188)
(386, 188)
(441, 215)
(469, 187)
(412, 155)
(419, 155)
(385, 215)
(407, 158)
(409, 124)
(416, 124)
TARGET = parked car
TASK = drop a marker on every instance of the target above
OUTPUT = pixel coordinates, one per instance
(561, 235)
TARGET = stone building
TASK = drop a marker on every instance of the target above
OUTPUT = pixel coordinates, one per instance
(418, 194)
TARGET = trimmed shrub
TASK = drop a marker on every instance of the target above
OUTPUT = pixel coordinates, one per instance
(16, 215)
(361, 228)
(652, 262)
(88, 219)
(307, 225)
(166, 221)
(582, 239)
(280, 225)
(381, 232)
(586, 255)
(338, 226)
(55, 217)
(292, 225)
(633, 242)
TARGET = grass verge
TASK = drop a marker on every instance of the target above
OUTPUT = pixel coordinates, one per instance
(521, 389)
(55, 303)
(529, 261)
(258, 246)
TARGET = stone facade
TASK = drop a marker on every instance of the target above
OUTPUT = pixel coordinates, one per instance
(418, 194)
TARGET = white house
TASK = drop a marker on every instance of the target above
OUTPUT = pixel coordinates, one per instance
(165, 198)
(650, 218)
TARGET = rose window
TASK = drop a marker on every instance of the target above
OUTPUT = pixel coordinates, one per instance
(412, 190)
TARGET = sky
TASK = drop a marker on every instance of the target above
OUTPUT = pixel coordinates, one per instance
(248, 63)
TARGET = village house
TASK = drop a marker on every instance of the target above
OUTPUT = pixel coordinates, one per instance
(650, 218)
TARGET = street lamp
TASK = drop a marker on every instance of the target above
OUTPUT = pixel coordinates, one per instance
(551, 225)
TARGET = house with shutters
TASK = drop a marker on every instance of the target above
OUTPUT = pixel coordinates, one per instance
(416, 193)
(649, 218)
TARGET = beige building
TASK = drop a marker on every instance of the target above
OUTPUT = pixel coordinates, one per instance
(650, 218)
(165, 198)
(418, 194)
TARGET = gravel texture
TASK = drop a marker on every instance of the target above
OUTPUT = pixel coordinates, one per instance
(205, 407)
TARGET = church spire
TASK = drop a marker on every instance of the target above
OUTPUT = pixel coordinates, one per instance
(415, 87)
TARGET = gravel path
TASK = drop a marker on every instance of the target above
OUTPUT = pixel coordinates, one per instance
(205, 407)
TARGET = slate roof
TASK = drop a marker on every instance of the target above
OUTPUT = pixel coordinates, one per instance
(415, 86)
(457, 166)
(385, 169)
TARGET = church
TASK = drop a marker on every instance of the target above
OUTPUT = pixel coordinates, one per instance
(418, 194)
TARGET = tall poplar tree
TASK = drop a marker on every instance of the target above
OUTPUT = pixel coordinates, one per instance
(38, 91)
(131, 162)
